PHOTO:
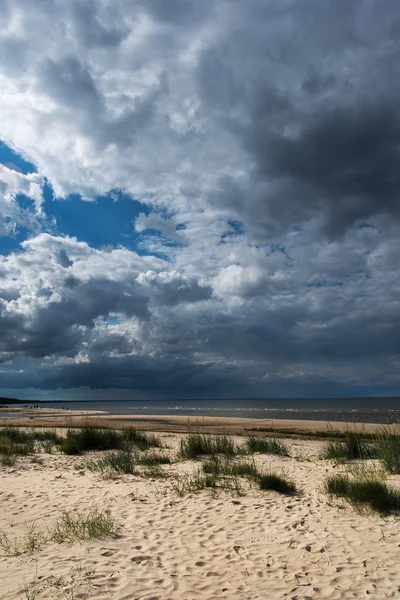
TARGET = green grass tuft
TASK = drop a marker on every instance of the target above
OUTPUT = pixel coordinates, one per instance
(226, 468)
(90, 437)
(337, 485)
(196, 444)
(74, 527)
(267, 446)
(373, 494)
(122, 462)
(126, 462)
(352, 447)
(140, 439)
(389, 452)
(186, 484)
(272, 481)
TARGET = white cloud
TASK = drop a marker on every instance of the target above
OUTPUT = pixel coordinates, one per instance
(13, 183)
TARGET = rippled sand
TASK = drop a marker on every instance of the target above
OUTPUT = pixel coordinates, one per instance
(258, 546)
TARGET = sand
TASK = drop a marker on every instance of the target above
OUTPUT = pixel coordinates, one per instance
(48, 417)
(261, 545)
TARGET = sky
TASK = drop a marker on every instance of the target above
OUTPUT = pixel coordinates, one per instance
(199, 199)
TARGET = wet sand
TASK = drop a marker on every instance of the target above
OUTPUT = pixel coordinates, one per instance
(49, 417)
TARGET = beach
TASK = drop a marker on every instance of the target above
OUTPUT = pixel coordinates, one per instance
(170, 544)
(57, 417)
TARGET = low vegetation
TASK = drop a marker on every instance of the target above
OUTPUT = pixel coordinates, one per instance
(74, 526)
(120, 462)
(18, 442)
(389, 451)
(126, 462)
(69, 527)
(90, 437)
(226, 468)
(32, 540)
(353, 446)
(278, 483)
(197, 444)
(369, 493)
(267, 446)
(214, 484)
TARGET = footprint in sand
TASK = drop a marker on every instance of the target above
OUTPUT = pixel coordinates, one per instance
(140, 559)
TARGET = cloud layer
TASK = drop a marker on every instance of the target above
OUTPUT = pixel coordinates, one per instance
(263, 139)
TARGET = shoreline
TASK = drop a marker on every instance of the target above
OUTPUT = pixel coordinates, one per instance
(51, 417)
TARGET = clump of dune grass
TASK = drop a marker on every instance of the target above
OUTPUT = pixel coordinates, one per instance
(33, 539)
(278, 483)
(366, 470)
(226, 468)
(17, 442)
(70, 527)
(186, 484)
(120, 462)
(370, 493)
(352, 447)
(267, 446)
(47, 435)
(74, 526)
(140, 439)
(15, 434)
(9, 447)
(337, 485)
(197, 444)
(153, 459)
(214, 484)
(389, 451)
(126, 462)
(90, 437)
(7, 460)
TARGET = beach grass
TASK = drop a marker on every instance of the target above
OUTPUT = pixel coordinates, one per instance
(352, 447)
(18, 442)
(121, 462)
(91, 437)
(140, 439)
(227, 468)
(77, 527)
(389, 451)
(267, 446)
(213, 483)
(71, 526)
(278, 483)
(126, 462)
(33, 539)
(371, 493)
(196, 444)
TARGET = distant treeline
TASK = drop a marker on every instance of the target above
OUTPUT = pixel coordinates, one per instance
(14, 401)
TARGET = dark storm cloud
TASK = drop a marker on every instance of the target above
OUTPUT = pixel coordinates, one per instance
(313, 101)
(59, 325)
(169, 289)
(70, 83)
(102, 30)
(165, 375)
(344, 164)
(177, 11)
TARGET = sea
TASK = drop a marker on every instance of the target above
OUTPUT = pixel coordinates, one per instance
(364, 410)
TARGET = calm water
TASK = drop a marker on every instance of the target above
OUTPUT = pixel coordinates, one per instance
(366, 410)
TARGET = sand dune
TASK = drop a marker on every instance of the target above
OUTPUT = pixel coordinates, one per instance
(261, 545)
